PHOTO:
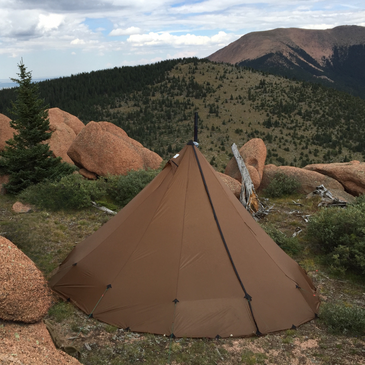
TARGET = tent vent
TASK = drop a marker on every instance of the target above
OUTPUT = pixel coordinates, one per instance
(293, 327)
(109, 286)
(175, 301)
(74, 264)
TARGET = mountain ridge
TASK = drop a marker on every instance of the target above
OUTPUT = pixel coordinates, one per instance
(332, 56)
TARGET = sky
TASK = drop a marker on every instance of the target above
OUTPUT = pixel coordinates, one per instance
(58, 38)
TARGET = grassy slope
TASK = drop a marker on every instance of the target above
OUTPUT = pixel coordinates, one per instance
(47, 237)
(235, 106)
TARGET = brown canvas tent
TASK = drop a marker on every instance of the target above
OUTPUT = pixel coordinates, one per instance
(185, 258)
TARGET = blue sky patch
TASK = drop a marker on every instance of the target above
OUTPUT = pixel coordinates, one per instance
(99, 23)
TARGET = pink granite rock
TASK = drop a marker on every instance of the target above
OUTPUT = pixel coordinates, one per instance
(103, 148)
(254, 155)
(350, 174)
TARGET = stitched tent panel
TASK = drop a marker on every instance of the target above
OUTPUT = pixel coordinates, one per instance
(185, 257)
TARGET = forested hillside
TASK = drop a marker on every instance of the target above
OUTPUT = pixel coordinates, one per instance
(300, 122)
(85, 93)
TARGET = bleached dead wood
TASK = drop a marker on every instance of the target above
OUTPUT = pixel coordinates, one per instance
(248, 196)
(104, 209)
(328, 200)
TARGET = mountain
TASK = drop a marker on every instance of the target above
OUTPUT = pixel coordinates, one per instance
(334, 57)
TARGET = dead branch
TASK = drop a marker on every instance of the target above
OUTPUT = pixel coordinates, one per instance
(104, 209)
(248, 196)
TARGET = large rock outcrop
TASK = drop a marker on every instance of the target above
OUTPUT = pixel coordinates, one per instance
(56, 115)
(30, 344)
(24, 294)
(350, 174)
(6, 132)
(308, 180)
(103, 148)
(253, 153)
(231, 183)
(65, 127)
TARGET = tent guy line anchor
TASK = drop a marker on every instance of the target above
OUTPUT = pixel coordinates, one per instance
(91, 314)
(172, 330)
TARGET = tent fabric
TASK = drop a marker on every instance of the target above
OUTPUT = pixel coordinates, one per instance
(185, 258)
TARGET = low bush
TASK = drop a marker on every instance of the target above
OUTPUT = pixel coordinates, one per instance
(339, 233)
(123, 189)
(360, 200)
(71, 192)
(343, 319)
(289, 244)
(61, 311)
(281, 185)
(75, 192)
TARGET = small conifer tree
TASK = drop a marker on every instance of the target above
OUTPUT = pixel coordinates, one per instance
(27, 159)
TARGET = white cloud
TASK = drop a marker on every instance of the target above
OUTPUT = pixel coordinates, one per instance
(78, 41)
(128, 31)
(165, 38)
(50, 21)
(156, 29)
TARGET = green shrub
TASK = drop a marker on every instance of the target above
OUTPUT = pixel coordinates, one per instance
(343, 319)
(289, 244)
(71, 192)
(340, 235)
(61, 311)
(360, 200)
(124, 188)
(281, 185)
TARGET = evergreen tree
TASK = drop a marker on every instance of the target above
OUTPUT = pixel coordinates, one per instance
(27, 158)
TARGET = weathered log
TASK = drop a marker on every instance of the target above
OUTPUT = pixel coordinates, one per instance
(328, 200)
(248, 196)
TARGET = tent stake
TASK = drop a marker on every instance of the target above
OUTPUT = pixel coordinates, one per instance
(91, 314)
(172, 331)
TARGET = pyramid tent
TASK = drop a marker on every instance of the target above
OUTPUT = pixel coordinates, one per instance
(185, 258)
